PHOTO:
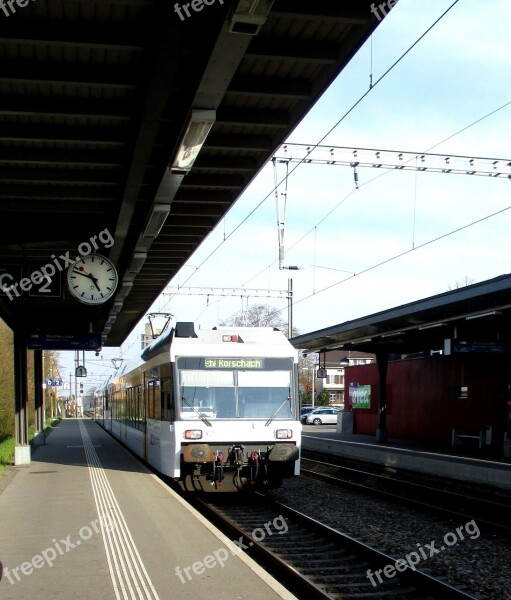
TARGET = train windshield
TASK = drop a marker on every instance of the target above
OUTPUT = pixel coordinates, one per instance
(235, 388)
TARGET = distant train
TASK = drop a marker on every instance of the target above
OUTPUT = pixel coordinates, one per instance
(215, 410)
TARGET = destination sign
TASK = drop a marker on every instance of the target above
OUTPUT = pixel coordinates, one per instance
(57, 341)
(234, 363)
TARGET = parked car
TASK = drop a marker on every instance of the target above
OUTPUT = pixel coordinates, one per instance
(318, 416)
(304, 411)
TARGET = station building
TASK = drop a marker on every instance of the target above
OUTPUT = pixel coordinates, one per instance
(442, 372)
(457, 399)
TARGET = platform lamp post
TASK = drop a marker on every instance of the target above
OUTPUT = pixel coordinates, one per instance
(382, 361)
(345, 362)
(312, 366)
(313, 383)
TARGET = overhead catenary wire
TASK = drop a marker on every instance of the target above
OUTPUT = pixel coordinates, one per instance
(378, 176)
(374, 179)
(345, 115)
(400, 255)
(405, 252)
(372, 267)
(342, 156)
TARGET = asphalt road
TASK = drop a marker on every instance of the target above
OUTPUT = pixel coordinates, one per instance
(318, 428)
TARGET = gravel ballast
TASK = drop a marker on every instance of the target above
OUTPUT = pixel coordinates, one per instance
(464, 555)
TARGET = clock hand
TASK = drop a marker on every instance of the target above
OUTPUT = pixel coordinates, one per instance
(89, 276)
(95, 282)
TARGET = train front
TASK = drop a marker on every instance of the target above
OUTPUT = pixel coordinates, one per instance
(237, 425)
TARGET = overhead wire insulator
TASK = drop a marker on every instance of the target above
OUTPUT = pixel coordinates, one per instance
(355, 177)
(281, 210)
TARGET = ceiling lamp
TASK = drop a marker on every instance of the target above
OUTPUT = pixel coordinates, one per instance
(137, 262)
(249, 16)
(197, 129)
(158, 217)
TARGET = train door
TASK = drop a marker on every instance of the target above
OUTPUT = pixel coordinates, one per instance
(123, 413)
(153, 418)
(168, 433)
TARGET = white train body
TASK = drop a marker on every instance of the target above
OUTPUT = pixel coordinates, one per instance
(216, 410)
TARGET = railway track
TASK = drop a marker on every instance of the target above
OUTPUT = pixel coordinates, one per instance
(315, 561)
(493, 514)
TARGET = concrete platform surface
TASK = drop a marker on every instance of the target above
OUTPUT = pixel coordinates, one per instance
(87, 521)
(410, 455)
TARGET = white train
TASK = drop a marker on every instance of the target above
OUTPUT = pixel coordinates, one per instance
(216, 410)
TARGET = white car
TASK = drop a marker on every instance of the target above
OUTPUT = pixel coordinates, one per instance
(322, 415)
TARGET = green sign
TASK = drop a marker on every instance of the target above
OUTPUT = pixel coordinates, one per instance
(360, 395)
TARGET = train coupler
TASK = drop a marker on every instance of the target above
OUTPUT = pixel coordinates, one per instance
(196, 472)
(218, 469)
(254, 467)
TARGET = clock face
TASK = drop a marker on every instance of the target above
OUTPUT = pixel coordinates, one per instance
(92, 279)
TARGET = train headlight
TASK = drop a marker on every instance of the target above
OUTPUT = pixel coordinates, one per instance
(193, 434)
(229, 338)
(284, 434)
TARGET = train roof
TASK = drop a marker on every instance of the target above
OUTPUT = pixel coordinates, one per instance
(187, 335)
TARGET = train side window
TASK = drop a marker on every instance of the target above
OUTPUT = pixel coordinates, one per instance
(141, 408)
(167, 400)
(130, 406)
(153, 399)
(135, 407)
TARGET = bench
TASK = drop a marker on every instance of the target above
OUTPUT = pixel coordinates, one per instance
(459, 435)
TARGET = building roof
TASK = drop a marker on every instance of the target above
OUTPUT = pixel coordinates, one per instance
(476, 313)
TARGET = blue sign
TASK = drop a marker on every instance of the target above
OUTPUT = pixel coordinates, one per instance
(454, 346)
(64, 341)
(54, 381)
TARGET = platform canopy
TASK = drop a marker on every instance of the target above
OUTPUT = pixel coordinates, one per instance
(475, 318)
(104, 107)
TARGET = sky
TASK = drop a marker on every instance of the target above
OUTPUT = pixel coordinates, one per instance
(364, 250)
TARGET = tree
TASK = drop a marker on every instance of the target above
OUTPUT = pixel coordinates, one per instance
(7, 380)
(259, 315)
(321, 399)
(460, 284)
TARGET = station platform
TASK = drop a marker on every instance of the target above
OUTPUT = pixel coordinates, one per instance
(88, 521)
(409, 455)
